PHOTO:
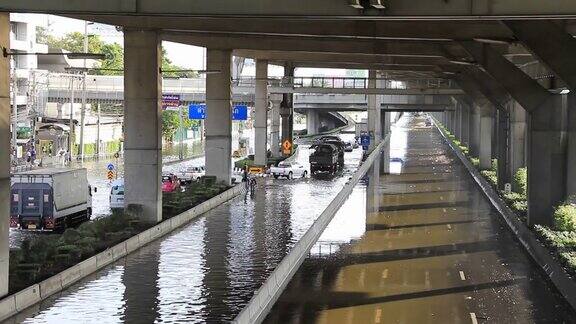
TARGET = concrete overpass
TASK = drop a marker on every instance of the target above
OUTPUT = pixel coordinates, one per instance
(512, 58)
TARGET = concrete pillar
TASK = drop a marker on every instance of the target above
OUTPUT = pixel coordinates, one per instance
(457, 121)
(143, 122)
(261, 113)
(465, 124)
(571, 151)
(503, 145)
(373, 112)
(5, 157)
(219, 115)
(475, 131)
(486, 124)
(287, 109)
(312, 121)
(518, 139)
(275, 127)
(546, 160)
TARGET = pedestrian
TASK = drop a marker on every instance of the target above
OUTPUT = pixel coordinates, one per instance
(245, 173)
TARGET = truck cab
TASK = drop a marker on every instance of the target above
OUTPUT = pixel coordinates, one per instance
(324, 158)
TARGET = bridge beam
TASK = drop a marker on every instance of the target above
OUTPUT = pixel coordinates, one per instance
(261, 113)
(143, 123)
(218, 123)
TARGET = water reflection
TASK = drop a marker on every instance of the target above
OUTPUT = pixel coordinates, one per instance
(208, 270)
(431, 250)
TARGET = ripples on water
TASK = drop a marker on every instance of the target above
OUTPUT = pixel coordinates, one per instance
(208, 270)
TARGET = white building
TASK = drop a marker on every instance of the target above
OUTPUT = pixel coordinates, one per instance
(23, 40)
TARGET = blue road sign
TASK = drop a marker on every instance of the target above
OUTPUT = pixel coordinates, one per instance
(110, 166)
(196, 111)
(365, 141)
(240, 112)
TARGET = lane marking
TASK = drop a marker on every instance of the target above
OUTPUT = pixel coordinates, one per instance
(378, 315)
(462, 276)
(427, 279)
(449, 226)
(473, 318)
(385, 274)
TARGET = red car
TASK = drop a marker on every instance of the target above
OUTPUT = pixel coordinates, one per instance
(170, 183)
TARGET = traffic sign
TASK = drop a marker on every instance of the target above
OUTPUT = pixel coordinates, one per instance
(198, 111)
(110, 175)
(110, 166)
(286, 147)
(170, 100)
(365, 141)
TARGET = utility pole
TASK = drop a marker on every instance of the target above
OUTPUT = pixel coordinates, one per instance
(98, 132)
(70, 144)
(181, 149)
(14, 107)
(83, 111)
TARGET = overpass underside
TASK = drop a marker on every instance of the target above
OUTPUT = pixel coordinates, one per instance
(509, 65)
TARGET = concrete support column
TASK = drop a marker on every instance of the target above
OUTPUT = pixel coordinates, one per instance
(503, 145)
(5, 157)
(219, 115)
(373, 112)
(475, 131)
(312, 121)
(143, 123)
(465, 124)
(457, 121)
(261, 113)
(486, 124)
(546, 160)
(571, 150)
(518, 139)
(275, 127)
(287, 109)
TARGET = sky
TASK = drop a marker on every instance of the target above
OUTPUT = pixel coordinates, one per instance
(185, 56)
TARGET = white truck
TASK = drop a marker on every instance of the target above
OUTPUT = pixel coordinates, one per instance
(50, 199)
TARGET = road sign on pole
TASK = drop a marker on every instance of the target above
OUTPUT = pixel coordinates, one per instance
(110, 166)
(365, 141)
(110, 175)
(287, 147)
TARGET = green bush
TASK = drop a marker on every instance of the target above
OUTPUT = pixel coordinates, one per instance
(475, 162)
(491, 176)
(495, 165)
(520, 207)
(565, 218)
(520, 180)
(557, 239)
(569, 260)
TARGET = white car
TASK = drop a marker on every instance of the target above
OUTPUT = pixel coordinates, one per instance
(117, 194)
(289, 170)
(191, 174)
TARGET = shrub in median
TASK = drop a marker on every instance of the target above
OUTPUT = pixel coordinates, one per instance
(520, 180)
(491, 176)
(565, 218)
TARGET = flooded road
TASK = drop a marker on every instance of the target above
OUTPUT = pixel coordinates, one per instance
(208, 270)
(420, 244)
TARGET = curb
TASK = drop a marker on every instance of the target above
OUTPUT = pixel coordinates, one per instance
(540, 254)
(15, 303)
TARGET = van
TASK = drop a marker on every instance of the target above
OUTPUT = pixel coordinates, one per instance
(117, 194)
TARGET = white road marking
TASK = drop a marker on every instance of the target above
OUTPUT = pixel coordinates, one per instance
(444, 210)
(473, 318)
(427, 279)
(385, 274)
(449, 226)
(378, 315)
(462, 276)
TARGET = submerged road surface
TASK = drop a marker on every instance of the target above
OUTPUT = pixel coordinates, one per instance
(426, 248)
(207, 271)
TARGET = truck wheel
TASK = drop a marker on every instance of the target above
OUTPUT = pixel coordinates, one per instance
(304, 174)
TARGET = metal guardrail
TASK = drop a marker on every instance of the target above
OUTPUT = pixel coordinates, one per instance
(266, 296)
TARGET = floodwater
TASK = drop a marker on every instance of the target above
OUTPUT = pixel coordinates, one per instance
(207, 271)
(426, 247)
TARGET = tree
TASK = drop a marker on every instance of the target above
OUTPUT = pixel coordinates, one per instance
(114, 62)
(170, 124)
